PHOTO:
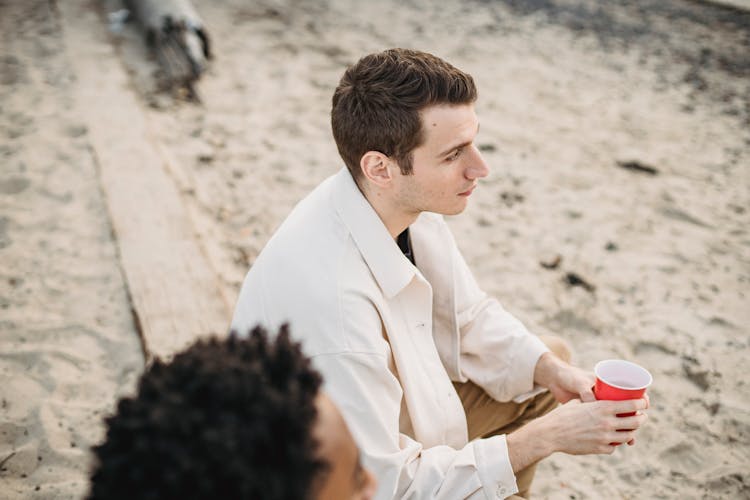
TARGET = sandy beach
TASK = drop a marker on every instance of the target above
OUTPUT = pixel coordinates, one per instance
(616, 214)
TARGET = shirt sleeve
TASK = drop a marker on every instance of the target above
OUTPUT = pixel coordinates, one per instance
(369, 396)
(498, 353)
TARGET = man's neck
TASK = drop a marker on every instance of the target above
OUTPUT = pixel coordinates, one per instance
(395, 220)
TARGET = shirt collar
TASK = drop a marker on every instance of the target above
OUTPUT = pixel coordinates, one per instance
(392, 270)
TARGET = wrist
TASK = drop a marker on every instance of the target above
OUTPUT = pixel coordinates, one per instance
(529, 444)
(547, 368)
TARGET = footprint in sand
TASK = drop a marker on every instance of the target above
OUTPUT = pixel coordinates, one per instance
(684, 458)
(75, 130)
(20, 125)
(14, 185)
(5, 240)
(12, 71)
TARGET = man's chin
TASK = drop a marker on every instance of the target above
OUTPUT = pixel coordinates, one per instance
(452, 210)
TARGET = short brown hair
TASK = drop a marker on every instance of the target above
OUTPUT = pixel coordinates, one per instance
(377, 103)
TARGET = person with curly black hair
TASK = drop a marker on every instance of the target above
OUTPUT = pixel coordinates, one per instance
(243, 417)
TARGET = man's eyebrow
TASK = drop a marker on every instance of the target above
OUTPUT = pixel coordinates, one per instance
(457, 146)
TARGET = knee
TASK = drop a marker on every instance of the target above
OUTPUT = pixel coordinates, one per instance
(558, 346)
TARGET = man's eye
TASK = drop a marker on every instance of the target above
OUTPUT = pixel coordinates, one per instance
(455, 154)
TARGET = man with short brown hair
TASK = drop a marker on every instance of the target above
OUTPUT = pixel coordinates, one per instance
(447, 393)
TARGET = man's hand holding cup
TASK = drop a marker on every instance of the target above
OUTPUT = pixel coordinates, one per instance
(620, 380)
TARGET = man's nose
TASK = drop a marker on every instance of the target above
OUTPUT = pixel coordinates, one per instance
(477, 167)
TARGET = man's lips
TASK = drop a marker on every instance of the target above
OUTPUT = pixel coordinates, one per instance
(468, 191)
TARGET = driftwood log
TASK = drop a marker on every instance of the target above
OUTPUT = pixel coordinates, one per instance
(176, 33)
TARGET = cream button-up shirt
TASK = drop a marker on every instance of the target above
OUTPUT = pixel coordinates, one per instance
(389, 339)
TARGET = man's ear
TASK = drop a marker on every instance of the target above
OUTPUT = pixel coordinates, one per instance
(376, 168)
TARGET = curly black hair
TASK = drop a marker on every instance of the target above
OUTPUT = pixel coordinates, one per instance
(228, 418)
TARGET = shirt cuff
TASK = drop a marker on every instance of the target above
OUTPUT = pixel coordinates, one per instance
(526, 355)
(495, 469)
(537, 390)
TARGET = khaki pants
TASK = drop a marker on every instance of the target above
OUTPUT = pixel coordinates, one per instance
(487, 417)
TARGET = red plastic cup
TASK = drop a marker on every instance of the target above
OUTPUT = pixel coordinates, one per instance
(618, 380)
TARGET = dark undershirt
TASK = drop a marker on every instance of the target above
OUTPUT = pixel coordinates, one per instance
(404, 243)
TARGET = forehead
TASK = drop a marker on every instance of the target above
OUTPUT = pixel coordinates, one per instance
(444, 124)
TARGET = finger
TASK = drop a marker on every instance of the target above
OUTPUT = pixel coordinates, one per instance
(587, 395)
(563, 396)
(621, 436)
(608, 449)
(648, 401)
(627, 406)
(631, 423)
(573, 402)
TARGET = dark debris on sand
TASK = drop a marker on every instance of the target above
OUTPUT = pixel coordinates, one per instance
(702, 44)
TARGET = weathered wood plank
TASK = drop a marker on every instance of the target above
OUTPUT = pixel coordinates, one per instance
(175, 293)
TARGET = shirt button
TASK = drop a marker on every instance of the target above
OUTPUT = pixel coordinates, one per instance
(501, 491)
